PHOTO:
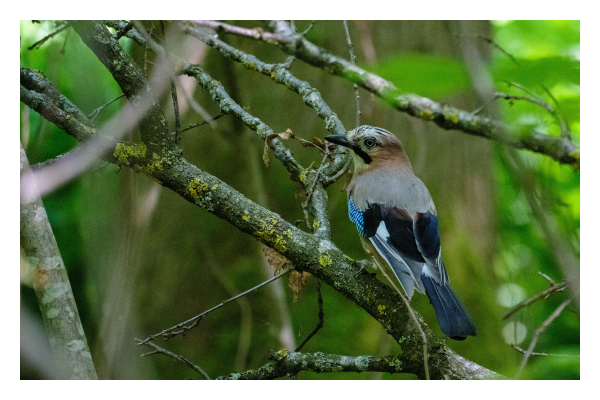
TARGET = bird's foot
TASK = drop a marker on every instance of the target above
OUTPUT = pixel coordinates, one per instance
(364, 264)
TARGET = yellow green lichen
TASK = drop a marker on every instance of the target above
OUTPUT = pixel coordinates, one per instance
(267, 233)
(302, 176)
(282, 354)
(197, 188)
(452, 116)
(250, 65)
(426, 115)
(316, 224)
(325, 261)
(123, 152)
(199, 191)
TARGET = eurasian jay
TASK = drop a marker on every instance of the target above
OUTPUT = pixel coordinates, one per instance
(398, 224)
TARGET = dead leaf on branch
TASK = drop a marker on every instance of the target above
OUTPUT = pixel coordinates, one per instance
(279, 263)
(297, 282)
(283, 135)
(275, 260)
(288, 134)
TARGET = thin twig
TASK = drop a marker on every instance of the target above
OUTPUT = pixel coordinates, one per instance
(176, 111)
(184, 329)
(199, 109)
(537, 100)
(416, 322)
(160, 350)
(353, 61)
(312, 189)
(62, 51)
(337, 176)
(550, 280)
(97, 111)
(564, 127)
(124, 31)
(565, 130)
(555, 288)
(40, 42)
(173, 90)
(321, 317)
(208, 121)
(520, 350)
(496, 45)
(182, 324)
(304, 32)
(539, 332)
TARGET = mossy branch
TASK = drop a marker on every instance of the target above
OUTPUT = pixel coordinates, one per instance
(284, 363)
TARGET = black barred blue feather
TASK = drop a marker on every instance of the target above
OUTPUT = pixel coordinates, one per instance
(356, 216)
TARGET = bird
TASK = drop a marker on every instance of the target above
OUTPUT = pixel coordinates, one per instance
(398, 224)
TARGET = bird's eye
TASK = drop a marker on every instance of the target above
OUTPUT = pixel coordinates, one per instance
(370, 143)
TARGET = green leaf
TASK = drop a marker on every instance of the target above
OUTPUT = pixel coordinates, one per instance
(530, 73)
(427, 75)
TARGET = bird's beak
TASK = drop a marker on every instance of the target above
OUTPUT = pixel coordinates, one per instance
(339, 139)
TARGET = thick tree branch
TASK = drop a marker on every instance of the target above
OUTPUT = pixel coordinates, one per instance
(37, 82)
(284, 363)
(132, 81)
(560, 149)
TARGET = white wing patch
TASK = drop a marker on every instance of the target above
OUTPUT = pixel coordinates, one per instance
(397, 262)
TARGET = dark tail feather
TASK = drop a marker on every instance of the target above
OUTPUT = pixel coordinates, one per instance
(454, 320)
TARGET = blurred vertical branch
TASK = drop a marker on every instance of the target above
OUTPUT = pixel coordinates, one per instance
(563, 253)
(52, 287)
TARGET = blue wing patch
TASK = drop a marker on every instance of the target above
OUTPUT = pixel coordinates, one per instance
(357, 217)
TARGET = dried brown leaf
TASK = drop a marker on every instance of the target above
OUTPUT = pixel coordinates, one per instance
(319, 144)
(287, 134)
(275, 260)
(297, 282)
(283, 135)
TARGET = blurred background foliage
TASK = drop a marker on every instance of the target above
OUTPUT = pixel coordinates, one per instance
(141, 259)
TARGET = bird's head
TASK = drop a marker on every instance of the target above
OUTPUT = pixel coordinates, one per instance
(373, 148)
